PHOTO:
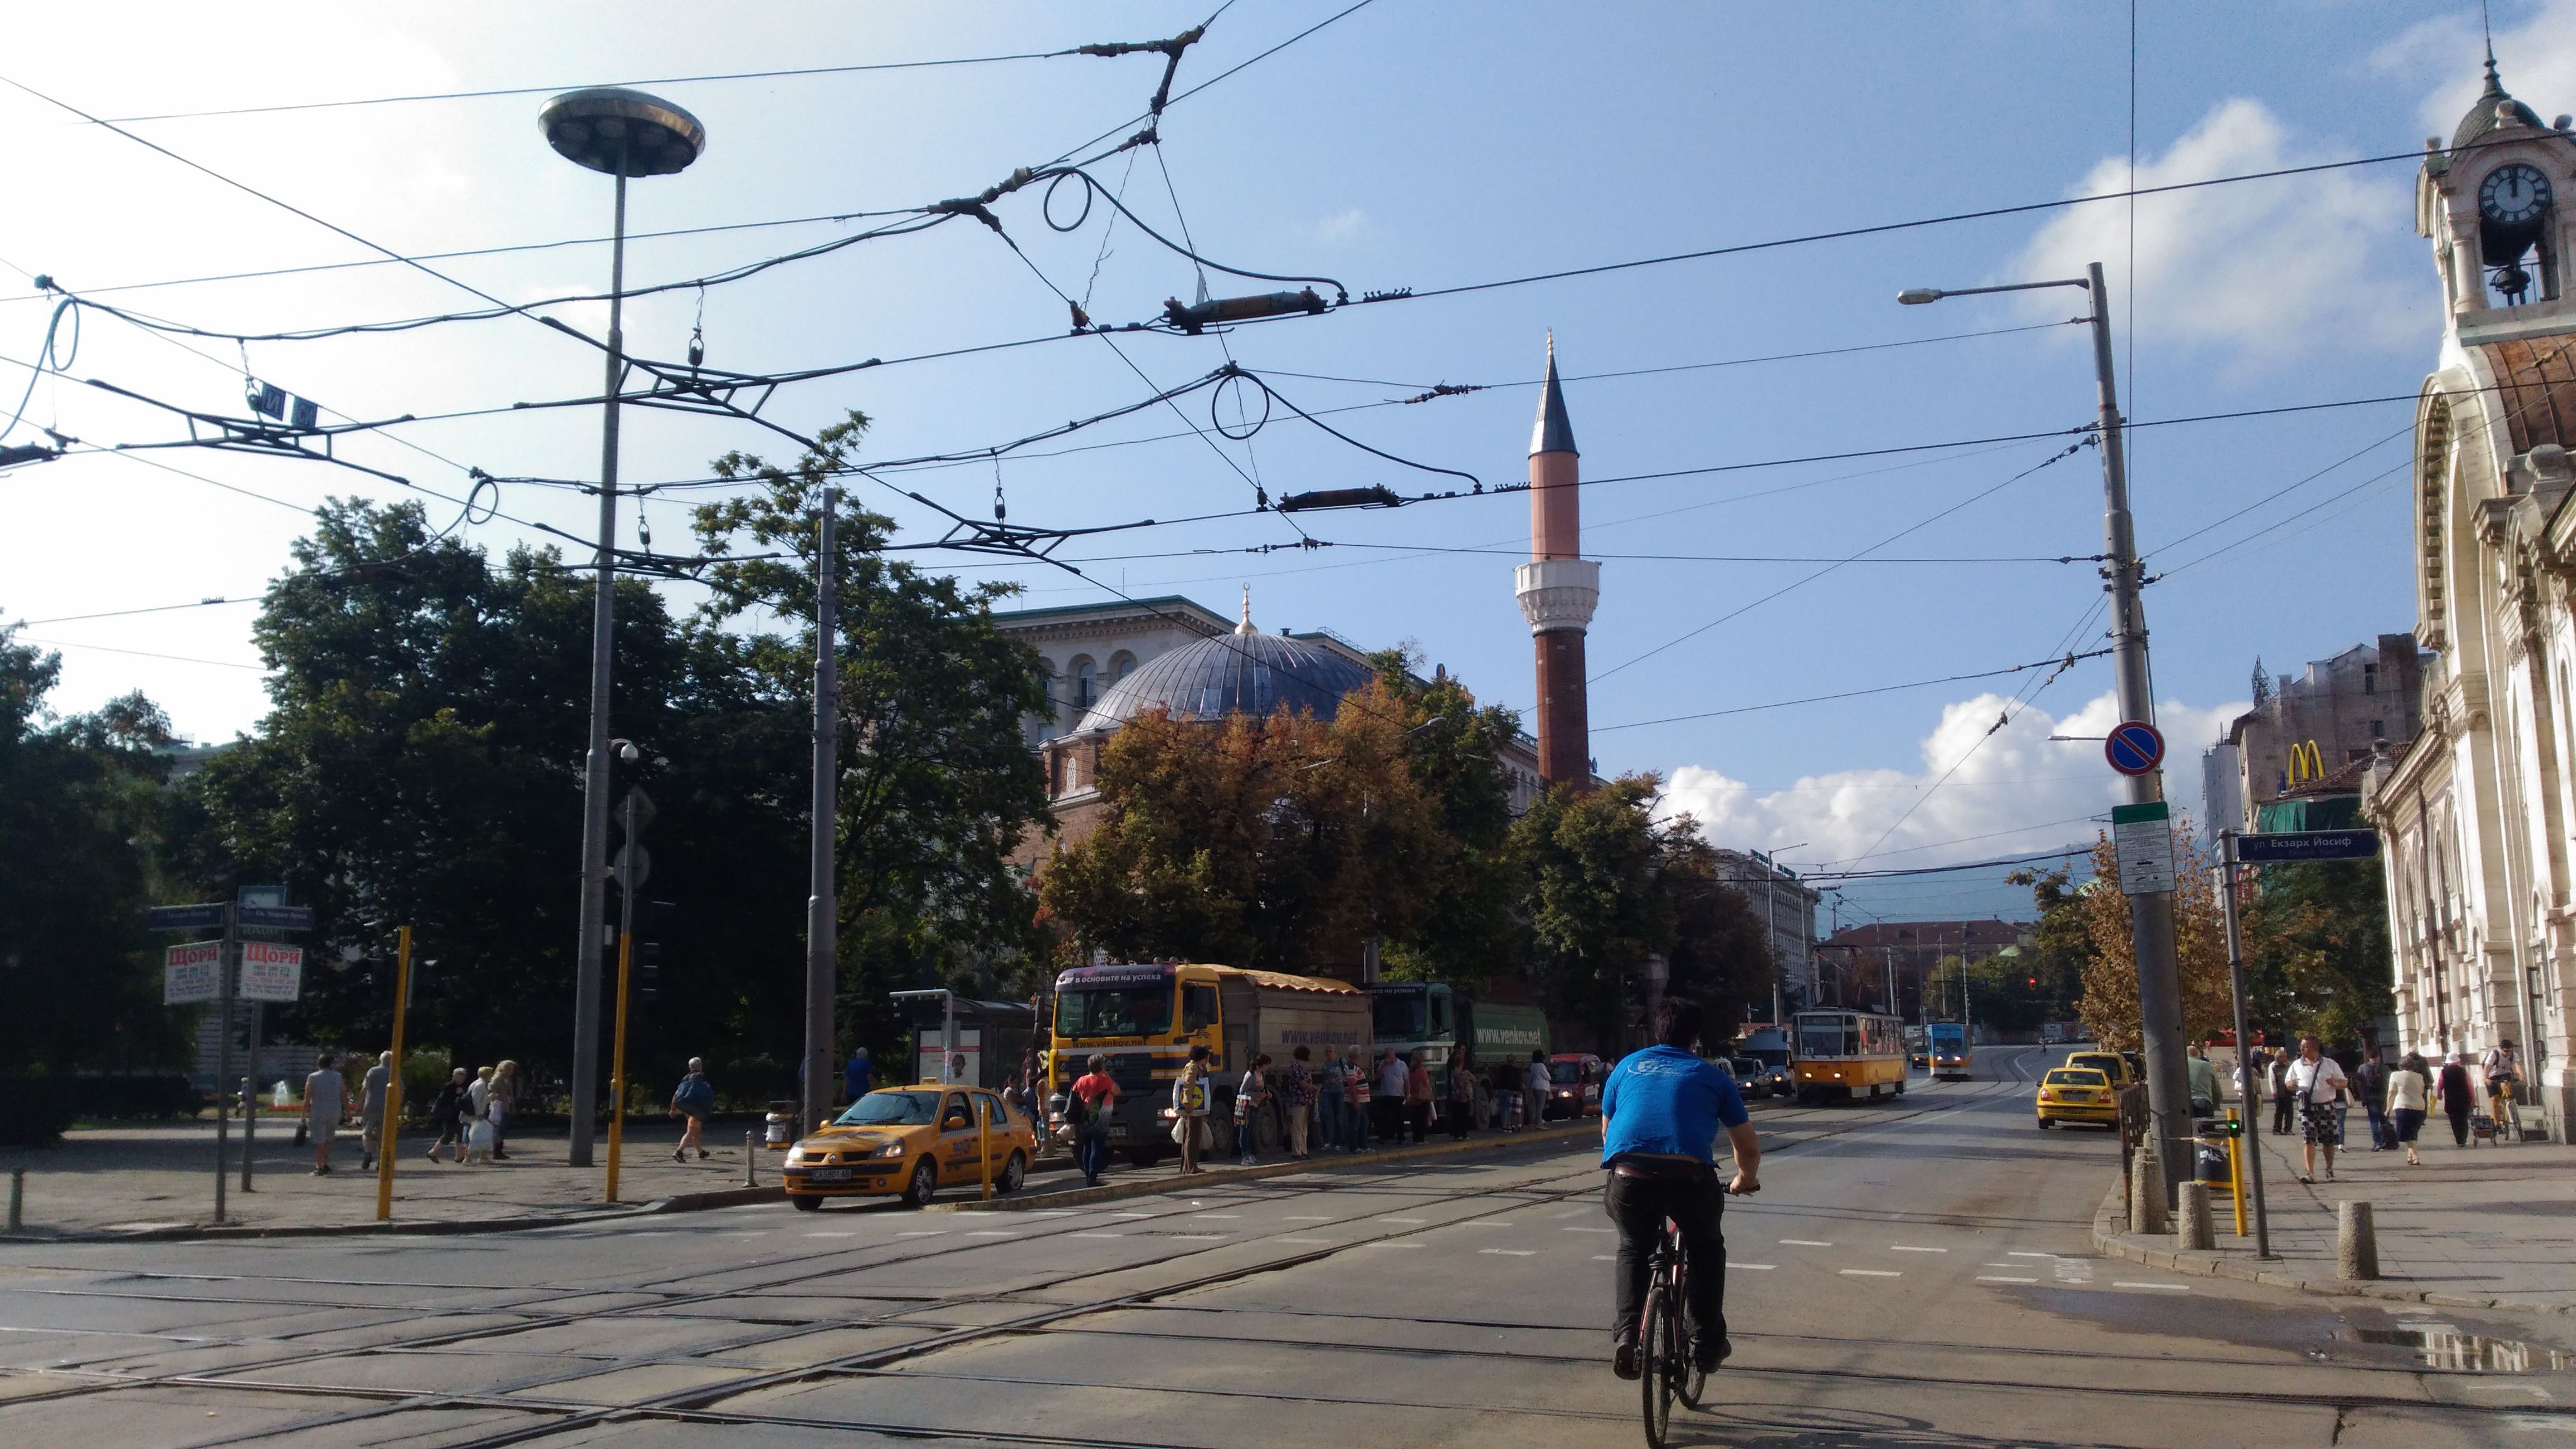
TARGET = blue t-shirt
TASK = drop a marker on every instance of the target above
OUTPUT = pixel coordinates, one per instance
(1666, 1101)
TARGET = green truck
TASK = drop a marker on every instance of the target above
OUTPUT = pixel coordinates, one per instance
(1435, 1018)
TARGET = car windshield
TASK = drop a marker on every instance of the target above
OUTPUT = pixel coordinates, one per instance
(1114, 1011)
(1397, 1018)
(2077, 1077)
(891, 1109)
(1564, 1073)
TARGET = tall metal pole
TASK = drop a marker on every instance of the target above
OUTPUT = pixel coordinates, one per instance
(393, 1080)
(225, 965)
(822, 907)
(250, 1098)
(2251, 1154)
(625, 973)
(2151, 918)
(594, 786)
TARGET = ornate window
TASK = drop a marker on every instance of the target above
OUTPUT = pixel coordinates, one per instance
(2432, 471)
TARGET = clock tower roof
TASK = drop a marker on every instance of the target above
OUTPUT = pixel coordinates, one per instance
(2493, 111)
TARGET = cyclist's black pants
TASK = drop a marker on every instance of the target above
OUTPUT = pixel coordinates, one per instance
(1639, 1206)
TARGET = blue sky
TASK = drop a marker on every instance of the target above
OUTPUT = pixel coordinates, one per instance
(1411, 144)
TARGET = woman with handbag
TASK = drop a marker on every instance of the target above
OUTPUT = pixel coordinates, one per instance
(1462, 1094)
(1250, 1096)
(1357, 1095)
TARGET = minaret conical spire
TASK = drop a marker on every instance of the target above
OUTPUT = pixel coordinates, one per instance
(1554, 432)
(1245, 627)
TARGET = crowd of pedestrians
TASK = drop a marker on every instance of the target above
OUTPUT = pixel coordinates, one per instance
(2312, 1094)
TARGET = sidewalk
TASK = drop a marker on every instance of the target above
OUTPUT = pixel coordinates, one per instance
(142, 1180)
(2474, 1227)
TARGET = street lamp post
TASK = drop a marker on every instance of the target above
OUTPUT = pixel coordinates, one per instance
(2151, 920)
(623, 133)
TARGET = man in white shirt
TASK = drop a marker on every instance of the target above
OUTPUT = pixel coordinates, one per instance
(326, 1098)
(2316, 1084)
(1388, 1100)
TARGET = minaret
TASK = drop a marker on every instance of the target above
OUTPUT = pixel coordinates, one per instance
(1558, 588)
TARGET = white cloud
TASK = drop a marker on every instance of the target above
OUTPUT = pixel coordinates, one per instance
(2261, 268)
(2536, 59)
(2017, 791)
(1342, 225)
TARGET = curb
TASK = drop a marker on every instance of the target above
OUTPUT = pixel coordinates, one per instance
(426, 1227)
(1216, 1176)
(2111, 1238)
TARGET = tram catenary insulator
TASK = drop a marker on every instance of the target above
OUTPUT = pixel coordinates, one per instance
(1194, 319)
(1371, 497)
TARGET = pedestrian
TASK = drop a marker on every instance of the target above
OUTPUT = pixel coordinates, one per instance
(693, 1101)
(2204, 1080)
(1297, 1096)
(1534, 1092)
(2457, 1097)
(1462, 1093)
(447, 1114)
(1250, 1096)
(2501, 1070)
(504, 1101)
(1091, 1103)
(1358, 1094)
(1506, 1088)
(480, 1092)
(1392, 1080)
(1330, 1100)
(326, 1101)
(371, 1109)
(1417, 1098)
(1189, 1109)
(2318, 1083)
(1021, 1095)
(859, 1075)
(2370, 1083)
(2284, 1104)
(2407, 1090)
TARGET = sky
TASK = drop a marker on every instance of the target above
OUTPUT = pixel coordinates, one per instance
(1422, 144)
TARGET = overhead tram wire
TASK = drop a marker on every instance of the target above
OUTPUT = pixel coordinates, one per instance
(2053, 663)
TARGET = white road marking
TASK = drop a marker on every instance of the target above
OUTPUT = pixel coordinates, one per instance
(1803, 1243)
(2018, 1254)
(1497, 1223)
(1200, 1237)
(1305, 1218)
(994, 1233)
(1216, 1215)
(1605, 1257)
(2167, 1287)
(1509, 1252)
(1591, 1230)
(1754, 1267)
(1049, 1212)
(924, 1233)
(1131, 1215)
(1302, 1240)
(831, 1235)
(2003, 1278)
(1871, 1273)
(1903, 1248)
(1404, 1220)
(1095, 1235)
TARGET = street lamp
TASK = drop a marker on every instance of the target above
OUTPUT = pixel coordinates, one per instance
(2151, 921)
(624, 133)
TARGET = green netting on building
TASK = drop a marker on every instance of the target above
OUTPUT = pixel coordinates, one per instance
(2315, 812)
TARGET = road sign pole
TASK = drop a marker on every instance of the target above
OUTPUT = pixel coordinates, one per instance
(225, 958)
(250, 1094)
(822, 902)
(393, 1082)
(2253, 1156)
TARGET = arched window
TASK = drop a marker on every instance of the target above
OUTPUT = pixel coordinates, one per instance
(1119, 665)
(1086, 684)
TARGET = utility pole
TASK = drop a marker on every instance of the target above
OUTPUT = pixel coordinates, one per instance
(227, 966)
(822, 906)
(2151, 920)
(2249, 1153)
(625, 133)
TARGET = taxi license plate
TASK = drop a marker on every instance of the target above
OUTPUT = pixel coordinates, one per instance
(829, 1174)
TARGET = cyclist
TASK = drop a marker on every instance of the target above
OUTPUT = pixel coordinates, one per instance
(1660, 1115)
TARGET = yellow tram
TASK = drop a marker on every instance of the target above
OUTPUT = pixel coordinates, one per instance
(1848, 1054)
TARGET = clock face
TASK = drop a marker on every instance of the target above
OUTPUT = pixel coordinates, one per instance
(2513, 195)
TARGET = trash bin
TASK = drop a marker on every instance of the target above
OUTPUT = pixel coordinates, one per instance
(2209, 1154)
(782, 1125)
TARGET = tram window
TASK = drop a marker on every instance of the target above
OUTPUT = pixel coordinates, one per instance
(1828, 1037)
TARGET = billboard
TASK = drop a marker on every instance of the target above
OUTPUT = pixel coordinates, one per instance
(271, 972)
(188, 973)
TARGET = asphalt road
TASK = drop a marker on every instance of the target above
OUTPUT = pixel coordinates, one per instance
(1916, 1273)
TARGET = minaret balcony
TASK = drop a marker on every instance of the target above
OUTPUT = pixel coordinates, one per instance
(1558, 593)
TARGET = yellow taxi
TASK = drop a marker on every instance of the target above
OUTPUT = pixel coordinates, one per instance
(2117, 1067)
(2077, 1094)
(913, 1141)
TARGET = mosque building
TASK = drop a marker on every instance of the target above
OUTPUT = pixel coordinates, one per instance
(1107, 663)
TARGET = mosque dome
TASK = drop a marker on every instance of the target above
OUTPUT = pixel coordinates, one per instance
(1245, 672)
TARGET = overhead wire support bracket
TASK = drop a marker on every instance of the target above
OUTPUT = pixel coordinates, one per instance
(252, 435)
(970, 535)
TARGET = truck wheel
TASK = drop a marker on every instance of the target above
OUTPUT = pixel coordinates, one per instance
(925, 1183)
(804, 1204)
(1142, 1157)
(1015, 1174)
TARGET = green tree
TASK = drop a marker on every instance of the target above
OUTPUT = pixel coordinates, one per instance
(937, 784)
(81, 801)
(1466, 933)
(2316, 949)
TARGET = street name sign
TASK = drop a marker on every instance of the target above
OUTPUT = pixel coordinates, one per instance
(2296, 845)
(191, 973)
(185, 918)
(2143, 837)
(271, 972)
(2134, 748)
(278, 918)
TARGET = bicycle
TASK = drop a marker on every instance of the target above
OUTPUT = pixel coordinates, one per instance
(1663, 1349)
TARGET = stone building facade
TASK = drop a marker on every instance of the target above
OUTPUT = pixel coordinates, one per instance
(2476, 813)
(2365, 700)
(1788, 907)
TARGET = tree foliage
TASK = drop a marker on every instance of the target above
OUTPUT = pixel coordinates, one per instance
(80, 808)
(2109, 1007)
(2316, 949)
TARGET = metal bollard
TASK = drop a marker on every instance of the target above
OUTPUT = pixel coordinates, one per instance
(2356, 1245)
(17, 1198)
(2147, 1212)
(2193, 1228)
(750, 1160)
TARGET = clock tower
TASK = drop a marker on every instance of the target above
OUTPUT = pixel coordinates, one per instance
(2490, 205)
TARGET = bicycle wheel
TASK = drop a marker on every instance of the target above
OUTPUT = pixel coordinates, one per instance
(1659, 1360)
(1690, 1381)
